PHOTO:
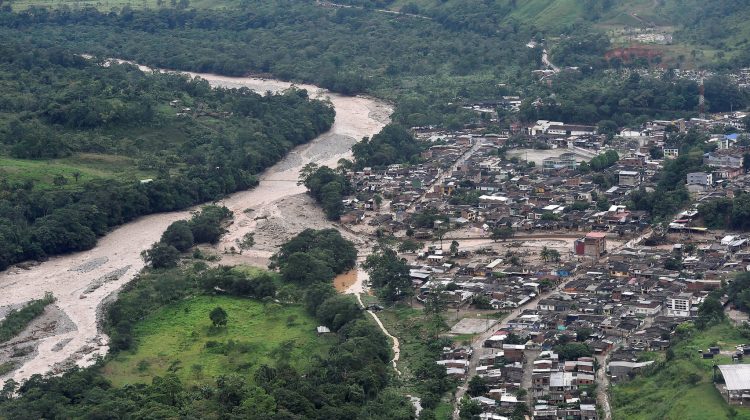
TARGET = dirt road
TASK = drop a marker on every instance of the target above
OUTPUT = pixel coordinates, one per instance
(70, 277)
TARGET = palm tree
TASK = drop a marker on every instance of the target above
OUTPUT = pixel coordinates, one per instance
(545, 254)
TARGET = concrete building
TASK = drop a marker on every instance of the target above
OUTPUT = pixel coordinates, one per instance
(679, 305)
(594, 244)
(564, 161)
(629, 178)
(699, 178)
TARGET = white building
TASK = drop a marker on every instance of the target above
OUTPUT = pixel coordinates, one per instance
(699, 178)
(679, 305)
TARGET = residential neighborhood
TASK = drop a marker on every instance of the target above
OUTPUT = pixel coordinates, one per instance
(586, 286)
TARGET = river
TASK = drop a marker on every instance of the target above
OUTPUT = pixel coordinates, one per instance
(69, 333)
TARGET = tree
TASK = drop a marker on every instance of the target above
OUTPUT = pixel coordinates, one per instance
(582, 334)
(161, 255)
(544, 253)
(60, 180)
(305, 269)
(179, 235)
(389, 274)
(502, 232)
(572, 351)
(218, 317)
(469, 409)
(710, 312)
(454, 248)
(477, 386)
(248, 240)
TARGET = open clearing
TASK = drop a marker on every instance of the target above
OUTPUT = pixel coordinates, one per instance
(180, 337)
(88, 166)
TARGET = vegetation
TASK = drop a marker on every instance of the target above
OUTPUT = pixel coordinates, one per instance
(670, 194)
(389, 274)
(601, 162)
(315, 256)
(17, 320)
(725, 213)
(327, 186)
(414, 61)
(394, 144)
(681, 387)
(274, 369)
(205, 226)
(54, 103)
(180, 336)
(420, 348)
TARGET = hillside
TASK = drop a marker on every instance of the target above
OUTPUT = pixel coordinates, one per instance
(700, 35)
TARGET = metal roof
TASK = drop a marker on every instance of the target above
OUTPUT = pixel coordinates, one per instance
(737, 377)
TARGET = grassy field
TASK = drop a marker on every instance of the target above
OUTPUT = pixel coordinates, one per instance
(179, 338)
(89, 166)
(682, 388)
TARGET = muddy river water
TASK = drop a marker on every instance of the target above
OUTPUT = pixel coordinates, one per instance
(81, 282)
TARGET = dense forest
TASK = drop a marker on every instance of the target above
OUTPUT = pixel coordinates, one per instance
(209, 143)
(416, 61)
(429, 67)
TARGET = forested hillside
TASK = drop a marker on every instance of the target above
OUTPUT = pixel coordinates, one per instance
(58, 107)
(717, 29)
(411, 60)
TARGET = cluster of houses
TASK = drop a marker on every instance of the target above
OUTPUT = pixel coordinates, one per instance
(620, 308)
(619, 302)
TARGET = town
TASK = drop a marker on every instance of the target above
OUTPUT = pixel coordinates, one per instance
(557, 281)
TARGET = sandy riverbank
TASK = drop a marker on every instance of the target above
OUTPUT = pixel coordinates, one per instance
(77, 282)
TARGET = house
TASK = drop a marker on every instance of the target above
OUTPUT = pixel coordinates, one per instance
(699, 178)
(737, 380)
(716, 160)
(594, 244)
(629, 178)
(564, 161)
(679, 305)
(671, 152)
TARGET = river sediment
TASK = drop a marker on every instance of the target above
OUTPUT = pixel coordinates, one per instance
(70, 277)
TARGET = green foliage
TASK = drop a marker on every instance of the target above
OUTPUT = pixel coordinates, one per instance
(670, 194)
(410, 245)
(501, 232)
(326, 245)
(427, 218)
(680, 387)
(54, 103)
(723, 213)
(337, 311)
(310, 260)
(17, 320)
(389, 274)
(463, 196)
(238, 283)
(604, 161)
(161, 255)
(218, 317)
(572, 351)
(738, 291)
(328, 187)
(394, 144)
(178, 235)
(306, 269)
(477, 386)
(207, 224)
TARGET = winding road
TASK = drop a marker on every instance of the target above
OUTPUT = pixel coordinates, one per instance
(81, 282)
